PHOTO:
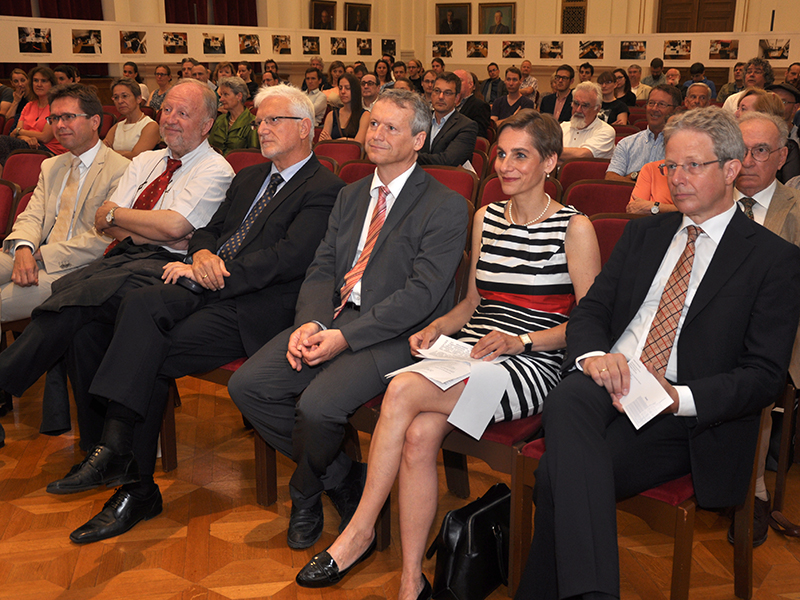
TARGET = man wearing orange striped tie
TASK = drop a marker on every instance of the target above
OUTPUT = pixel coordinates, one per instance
(384, 269)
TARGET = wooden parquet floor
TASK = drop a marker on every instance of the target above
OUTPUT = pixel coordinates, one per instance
(213, 542)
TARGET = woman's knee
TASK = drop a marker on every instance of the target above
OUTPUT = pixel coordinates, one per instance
(422, 441)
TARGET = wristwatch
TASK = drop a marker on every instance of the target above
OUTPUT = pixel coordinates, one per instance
(110, 215)
(526, 341)
(634, 176)
(654, 210)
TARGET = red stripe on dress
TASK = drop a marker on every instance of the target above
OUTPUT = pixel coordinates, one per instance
(561, 304)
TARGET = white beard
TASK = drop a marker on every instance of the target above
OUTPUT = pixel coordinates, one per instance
(578, 122)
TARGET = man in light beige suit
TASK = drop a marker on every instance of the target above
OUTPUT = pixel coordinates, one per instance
(55, 234)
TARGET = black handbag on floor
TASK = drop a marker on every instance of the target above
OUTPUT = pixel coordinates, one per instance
(472, 547)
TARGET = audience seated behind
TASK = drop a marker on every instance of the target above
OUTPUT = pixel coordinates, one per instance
(586, 136)
(235, 128)
(350, 121)
(136, 132)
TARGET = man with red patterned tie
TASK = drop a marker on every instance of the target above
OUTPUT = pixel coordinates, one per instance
(709, 301)
(384, 269)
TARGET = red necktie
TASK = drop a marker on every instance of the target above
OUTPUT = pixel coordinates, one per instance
(153, 192)
(658, 346)
(354, 275)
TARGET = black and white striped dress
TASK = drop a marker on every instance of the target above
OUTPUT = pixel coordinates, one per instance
(524, 285)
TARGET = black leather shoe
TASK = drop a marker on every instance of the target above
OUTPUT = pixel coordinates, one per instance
(760, 522)
(427, 591)
(322, 570)
(119, 514)
(305, 526)
(102, 466)
(347, 494)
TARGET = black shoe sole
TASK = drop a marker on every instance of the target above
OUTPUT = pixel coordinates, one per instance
(111, 483)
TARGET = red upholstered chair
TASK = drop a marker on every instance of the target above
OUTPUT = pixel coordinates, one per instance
(353, 170)
(640, 122)
(157, 118)
(638, 111)
(457, 179)
(148, 110)
(625, 130)
(482, 144)
(246, 157)
(106, 124)
(609, 227)
(598, 196)
(491, 190)
(329, 164)
(668, 509)
(580, 169)
(479, 162)
(22, 204)
(2, 122)
(317, 132)
(23, 167)
(111, 109)
(339, 150)
(492, 157)
(8, 127)
(9, 194)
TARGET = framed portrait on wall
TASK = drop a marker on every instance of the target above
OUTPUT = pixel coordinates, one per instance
(454, 19)
(323, 15)
(497, 18)
(357, 16)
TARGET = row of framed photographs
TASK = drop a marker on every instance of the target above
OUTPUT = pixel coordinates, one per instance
(772, 49)
(33, 40)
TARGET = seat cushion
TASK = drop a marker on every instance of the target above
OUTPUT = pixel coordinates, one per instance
(513, 432)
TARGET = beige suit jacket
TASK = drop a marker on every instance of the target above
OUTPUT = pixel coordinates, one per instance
(38, 218)
(783, 218)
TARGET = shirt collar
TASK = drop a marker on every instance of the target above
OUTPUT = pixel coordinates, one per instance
(290, 172)
(764, 197)
(201, 149)
(87, 158)
(715, 226)
(396, 185)
(444, 118)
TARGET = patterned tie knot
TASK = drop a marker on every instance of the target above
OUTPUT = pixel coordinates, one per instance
(693, 231)
(275, 180)
(748, 204)
(76, 162)
(173, 164)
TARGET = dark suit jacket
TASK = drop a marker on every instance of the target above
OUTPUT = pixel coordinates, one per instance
(408, 281)
(499, 29)
(453, 145)
(549, 105)
(452, 27)
(734, 344)
(268, 270)
(501, 89)
(479, 111)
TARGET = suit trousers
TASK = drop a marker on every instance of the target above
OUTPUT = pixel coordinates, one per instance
(594, 457)
(17, 302)
(309, 430)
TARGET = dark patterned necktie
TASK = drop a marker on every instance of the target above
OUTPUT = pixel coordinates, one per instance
(234, 243)
(153, 192)
(660, 339)
(748, 203)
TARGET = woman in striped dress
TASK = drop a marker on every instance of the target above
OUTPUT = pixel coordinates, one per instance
(532, 260)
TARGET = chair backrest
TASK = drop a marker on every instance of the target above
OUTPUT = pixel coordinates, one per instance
(9, 125)
(598, 196)
(625, 130)
(482, 144)
(553, 188)
(317, 132)
(479, 161)
(22, 204)
(23, 167)
(608, 227)
(587, 168)
(329, 163)
(9, 192)
(157, 118)
(640, 122)
(112, 110)
(339, 150)
(246, 157)
(149, 111)
(353, 170)
(492, 156)
(457, 179)
(105, 126)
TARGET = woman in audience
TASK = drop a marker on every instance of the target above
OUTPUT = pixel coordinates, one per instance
(33, 130)
(164, 81)
(131, 70)
(223, 69)
(748, 99)
(137, 132)
(19, 83)
(232, 130)
(383, 71)
(613, 112)
(350, 121)
(404, 83)
(335, 72)
(532, 260)
(623, 90)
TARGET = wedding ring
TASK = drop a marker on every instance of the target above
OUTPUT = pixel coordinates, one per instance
(603, 370)
(205, 276)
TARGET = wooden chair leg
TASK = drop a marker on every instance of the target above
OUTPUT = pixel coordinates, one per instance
(352, 445)
(521, 527)
(682, 554)
(456, 473)
(785, 447)
(169, 446)
(266, 472)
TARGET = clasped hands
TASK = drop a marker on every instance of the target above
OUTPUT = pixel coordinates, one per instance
(611, 372)
(207, 269)
(489, 347)
(312, 345)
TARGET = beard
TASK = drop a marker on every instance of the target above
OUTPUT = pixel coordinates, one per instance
(578, 122)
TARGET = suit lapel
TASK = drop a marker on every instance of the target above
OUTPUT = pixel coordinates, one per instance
(451, 121)
(779, 207)
(91, 176)
(357, 226)
(402, 204)
(656, 243)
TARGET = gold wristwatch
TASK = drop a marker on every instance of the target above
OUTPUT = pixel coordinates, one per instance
(526, 341)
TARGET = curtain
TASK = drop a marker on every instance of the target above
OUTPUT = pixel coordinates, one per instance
(16, 8)
(71, 9)
(226, 12)
(184, 11)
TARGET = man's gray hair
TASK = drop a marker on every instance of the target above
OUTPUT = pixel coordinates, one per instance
(209, 97)
(780, 124)
(763, 64)
(707, 89)
(236, 85)
(421, 120)
(718, 124)
(299, 103)
(635, 66)
(590, 86)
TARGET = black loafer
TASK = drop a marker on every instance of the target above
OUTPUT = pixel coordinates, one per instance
(305, 526)
(346, 496)
(119, 514)
(102, 466)
(322, 571)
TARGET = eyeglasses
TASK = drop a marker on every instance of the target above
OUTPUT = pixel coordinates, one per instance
(691, 168)
(582, 105)
(162, 75)
(366, 83)
(66, 117)
(788, 101)
(270, 122)
(117, 97)
(445, 93)
(759, 153)
(562, 77)
(659, 105)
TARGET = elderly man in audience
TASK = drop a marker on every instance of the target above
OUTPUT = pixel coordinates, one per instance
(709, 301)
(384, 268)
(471, 106)
(757, 74)
(656, 76)
(641, 90)
(766, 201)
(529, 86)
(586, 136)
(493, 87)
(698, 95)
(559, 104)
(55, 233)
(790, 97)
(634, 151)
(451, 137)
(673, 77)
(254, 253)
(163, 197)
(513, 101)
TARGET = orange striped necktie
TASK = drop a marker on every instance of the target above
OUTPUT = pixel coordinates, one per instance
(354, 275)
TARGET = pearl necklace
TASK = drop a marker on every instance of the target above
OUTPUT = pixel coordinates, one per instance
(531, 222)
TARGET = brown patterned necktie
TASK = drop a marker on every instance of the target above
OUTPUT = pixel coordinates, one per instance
(748, 203)
(234, 243)
(69, 197)
(660, 339)
(354, 275)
